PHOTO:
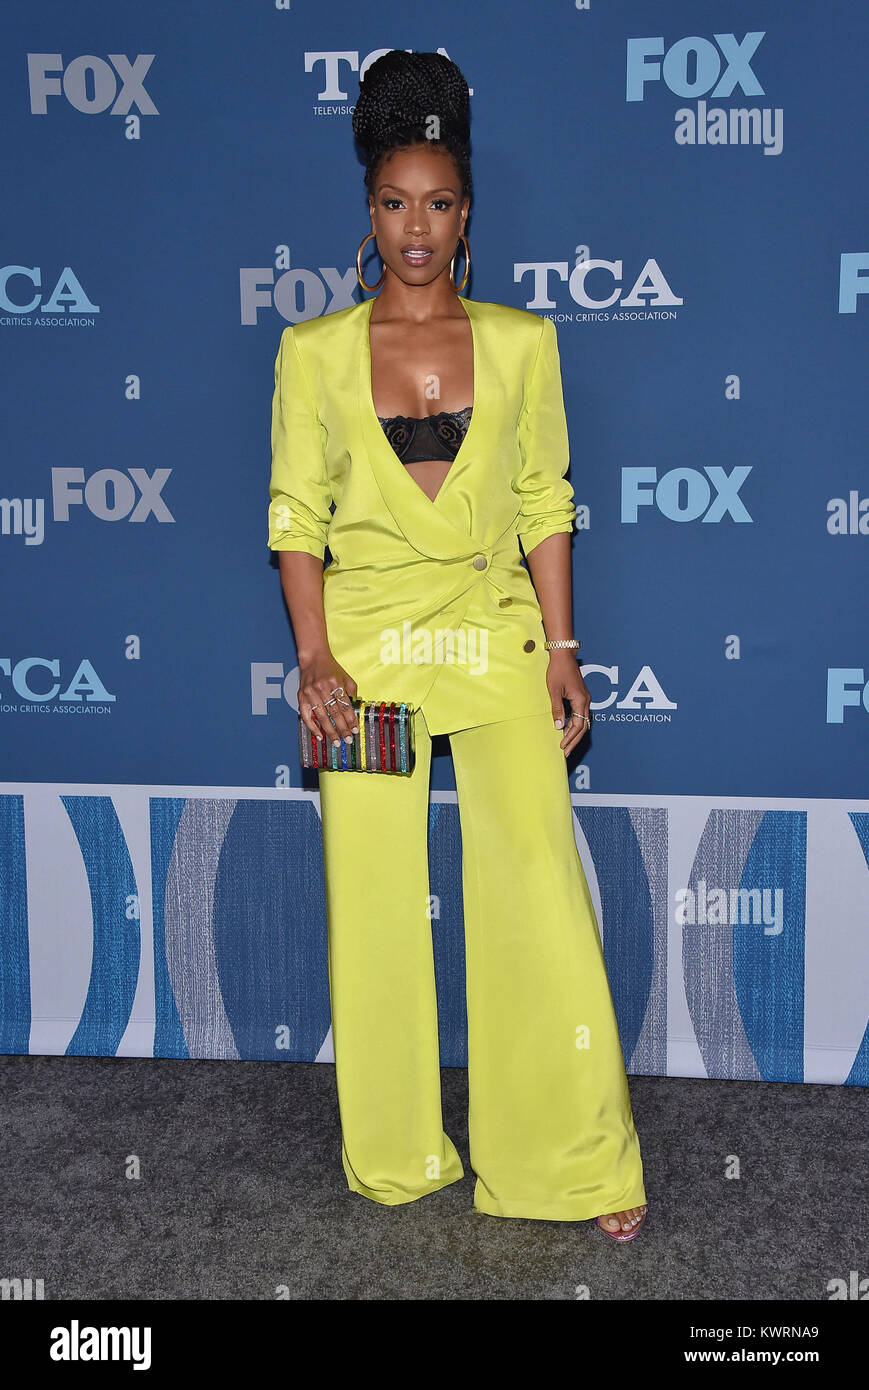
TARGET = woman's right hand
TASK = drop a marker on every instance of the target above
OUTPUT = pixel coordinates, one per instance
(318, 677)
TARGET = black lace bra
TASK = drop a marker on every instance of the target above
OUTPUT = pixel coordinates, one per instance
(429, 437)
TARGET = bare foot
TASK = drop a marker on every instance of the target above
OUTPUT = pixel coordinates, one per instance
(626, 1220)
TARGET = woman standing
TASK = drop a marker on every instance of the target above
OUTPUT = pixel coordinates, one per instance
(434, 426)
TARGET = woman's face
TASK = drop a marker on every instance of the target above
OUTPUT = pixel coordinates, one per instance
(418, 203)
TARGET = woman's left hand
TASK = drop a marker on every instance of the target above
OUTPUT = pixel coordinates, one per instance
(564, 681)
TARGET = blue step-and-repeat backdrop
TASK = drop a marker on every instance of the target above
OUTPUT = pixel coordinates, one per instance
(682, 189)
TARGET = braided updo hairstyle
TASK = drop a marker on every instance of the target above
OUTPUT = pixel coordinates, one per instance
(397, 96)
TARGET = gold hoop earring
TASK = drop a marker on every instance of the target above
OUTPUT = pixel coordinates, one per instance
(359, 267)
(458, 288)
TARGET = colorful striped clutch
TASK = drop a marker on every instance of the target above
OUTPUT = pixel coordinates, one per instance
(384, 743)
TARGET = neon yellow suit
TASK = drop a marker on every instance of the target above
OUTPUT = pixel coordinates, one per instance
(429, 602)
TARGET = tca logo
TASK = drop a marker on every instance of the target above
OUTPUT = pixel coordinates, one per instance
(684, 494)
(67, 295)
(90, 84)
(333, 90)
(650, 289)
(646, 692)
(84, 686)
(692, 66)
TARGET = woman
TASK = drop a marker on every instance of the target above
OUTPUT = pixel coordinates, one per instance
(435, 427)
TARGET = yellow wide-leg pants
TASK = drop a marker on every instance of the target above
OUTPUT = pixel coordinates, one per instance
(551, 1131)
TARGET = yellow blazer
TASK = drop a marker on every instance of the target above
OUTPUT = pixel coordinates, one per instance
(426, 601)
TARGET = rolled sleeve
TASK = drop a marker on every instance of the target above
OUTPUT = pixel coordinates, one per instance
(546, 496)
(300, 508)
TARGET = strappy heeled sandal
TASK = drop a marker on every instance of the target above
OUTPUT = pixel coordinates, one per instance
(621, 1235)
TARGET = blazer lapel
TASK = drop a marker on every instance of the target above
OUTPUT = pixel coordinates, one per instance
(424, 523)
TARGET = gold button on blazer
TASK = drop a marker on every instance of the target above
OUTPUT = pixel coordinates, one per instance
(426, 601)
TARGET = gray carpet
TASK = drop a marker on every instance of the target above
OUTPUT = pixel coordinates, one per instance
(242, 1192)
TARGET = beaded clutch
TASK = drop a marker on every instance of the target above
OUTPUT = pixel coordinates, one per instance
(384, 743)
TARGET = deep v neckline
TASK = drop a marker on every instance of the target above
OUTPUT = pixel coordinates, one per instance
(372, 409)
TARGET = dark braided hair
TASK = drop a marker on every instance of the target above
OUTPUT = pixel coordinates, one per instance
(397, 96)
